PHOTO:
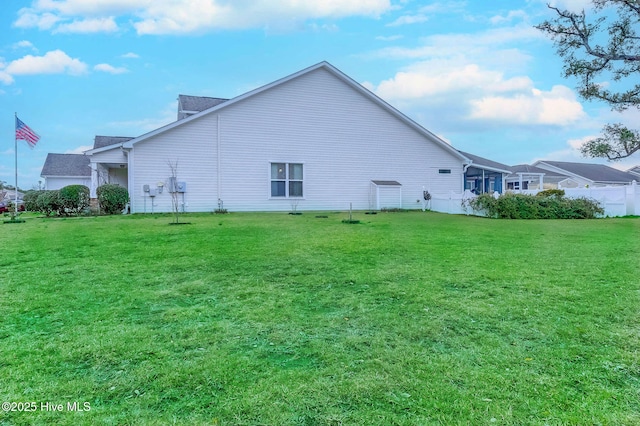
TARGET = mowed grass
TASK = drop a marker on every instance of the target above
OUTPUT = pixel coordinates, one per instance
(272, 319)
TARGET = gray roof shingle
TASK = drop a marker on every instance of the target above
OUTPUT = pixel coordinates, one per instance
(189, 105)
(594, 172)
(66, 165)
(102, 141)
(480, 161)
(526, 168)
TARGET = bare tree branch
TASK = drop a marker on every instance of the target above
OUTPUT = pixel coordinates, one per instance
(603, 52)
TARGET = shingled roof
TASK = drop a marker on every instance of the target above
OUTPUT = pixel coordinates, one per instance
(528, 169)
(189, 105)
(598, 173)
(101, 141)
(66, 165)
(485, 162)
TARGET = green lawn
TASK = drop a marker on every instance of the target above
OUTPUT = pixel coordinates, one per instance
(251, 319)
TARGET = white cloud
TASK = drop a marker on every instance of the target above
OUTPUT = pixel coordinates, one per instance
(409, 19)
(53, 62)
(110, 69)
(439, 77)
(573, 5)
(28, 18)
(557, 107)
(79, 150)
(130, 55)
(187, 16)
(190, 16)
(24, 44)
(512, 15)
(445, 7)
(6, 78)
(88, 8)
(577, 143)
(497, 48)
(88, 26)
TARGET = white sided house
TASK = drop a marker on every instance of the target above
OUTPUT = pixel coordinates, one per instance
(315, 140)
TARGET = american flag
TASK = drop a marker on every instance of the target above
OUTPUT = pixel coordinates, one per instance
(24, 132)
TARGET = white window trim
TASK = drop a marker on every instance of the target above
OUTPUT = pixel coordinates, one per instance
(269, 180)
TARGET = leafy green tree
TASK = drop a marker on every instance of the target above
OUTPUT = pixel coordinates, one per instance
(602, 51)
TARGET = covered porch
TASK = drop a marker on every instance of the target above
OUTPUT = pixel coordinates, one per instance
(112, 173)
(483, 175)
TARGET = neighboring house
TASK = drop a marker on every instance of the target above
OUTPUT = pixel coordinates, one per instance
(190, 105)
(634, 170)
(315, 140)
(60, 170)
(585, 174)
(7, 195)
(484, 175)
(526, 177)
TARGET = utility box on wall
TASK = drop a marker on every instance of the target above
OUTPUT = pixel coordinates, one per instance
(175, 186)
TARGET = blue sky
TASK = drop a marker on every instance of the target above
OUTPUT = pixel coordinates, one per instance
(476, 73)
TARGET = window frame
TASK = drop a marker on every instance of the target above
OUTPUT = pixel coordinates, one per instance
(287, 180)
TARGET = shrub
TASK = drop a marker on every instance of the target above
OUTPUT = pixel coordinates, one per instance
(552, 205)
(112, 198)
(30, 199)
(74, 199)
(48, 202)
(558, 193)
(583, 208)
(485, 204)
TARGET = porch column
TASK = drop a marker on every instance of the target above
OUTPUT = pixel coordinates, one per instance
(94, 180)
(520, 187)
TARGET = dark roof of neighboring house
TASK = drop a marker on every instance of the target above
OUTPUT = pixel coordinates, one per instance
(635, 170)
(66, 165)
(526, 168)
(101, 141)
(480, 161)
(594, 172)
(189, 105)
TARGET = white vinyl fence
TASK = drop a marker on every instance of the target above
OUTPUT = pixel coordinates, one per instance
(616, 200)
(450, 202)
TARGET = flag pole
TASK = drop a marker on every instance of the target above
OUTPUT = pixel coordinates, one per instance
(15, 122)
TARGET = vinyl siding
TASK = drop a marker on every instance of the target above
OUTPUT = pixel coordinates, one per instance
(192, 147)
(60, 182)
(343, 139)
(111, 156)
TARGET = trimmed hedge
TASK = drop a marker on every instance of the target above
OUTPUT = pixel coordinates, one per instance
(74, 199)
(552, 205)
(112, 198)
(48, 202)
(30, 199)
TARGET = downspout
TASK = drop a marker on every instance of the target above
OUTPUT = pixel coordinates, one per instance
(465, 167)
(130, 180)
(218, 150)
